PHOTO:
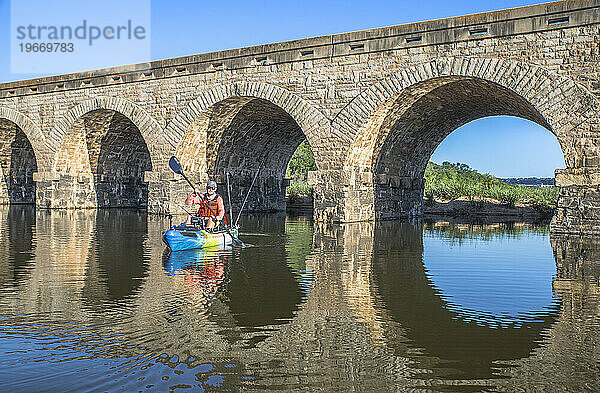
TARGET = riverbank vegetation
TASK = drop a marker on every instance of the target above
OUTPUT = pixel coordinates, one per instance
(443, 183)
(449, 181)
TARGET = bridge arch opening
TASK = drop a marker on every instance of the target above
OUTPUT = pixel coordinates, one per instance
(240, 136)
(17, 165)
(404, 132)
(102, 159)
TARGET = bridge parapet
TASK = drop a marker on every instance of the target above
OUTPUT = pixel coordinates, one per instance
(541, 18)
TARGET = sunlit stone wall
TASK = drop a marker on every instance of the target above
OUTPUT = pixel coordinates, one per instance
(373, 105)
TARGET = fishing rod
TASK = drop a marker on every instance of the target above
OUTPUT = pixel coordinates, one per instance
(245, 199)
(176, 167)
(229, 198)
(184, 209)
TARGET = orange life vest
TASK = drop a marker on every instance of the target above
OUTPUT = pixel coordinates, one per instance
(203, 211)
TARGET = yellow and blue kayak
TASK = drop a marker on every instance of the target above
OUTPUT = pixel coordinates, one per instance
(181, 237)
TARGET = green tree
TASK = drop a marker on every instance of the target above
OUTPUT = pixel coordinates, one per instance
(301, 162)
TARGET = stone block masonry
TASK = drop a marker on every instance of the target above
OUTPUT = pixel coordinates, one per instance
(373, 105)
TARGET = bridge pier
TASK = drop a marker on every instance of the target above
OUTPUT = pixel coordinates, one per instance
(578, 209)
(88, 191)
(64, 191)
(330, 199)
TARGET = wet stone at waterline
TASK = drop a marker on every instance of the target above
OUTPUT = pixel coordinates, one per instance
(92, 300)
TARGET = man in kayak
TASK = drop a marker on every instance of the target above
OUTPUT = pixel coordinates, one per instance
(207, 202)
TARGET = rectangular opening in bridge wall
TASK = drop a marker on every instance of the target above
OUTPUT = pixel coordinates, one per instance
(357, 46)
(478, 31)
(411, 40)
(308, 52)
(558, 21)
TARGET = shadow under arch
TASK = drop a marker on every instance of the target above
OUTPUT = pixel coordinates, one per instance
(309, 119)
(18, 163)
(239, 136)
(101, 162)
(149, 128)
(263, 289)
(410, 298)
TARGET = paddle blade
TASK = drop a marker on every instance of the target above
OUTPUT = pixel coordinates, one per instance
(175, 165)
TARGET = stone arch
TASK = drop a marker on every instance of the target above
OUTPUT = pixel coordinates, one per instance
(31, 130)
(563, 103)
(308, 118)
(103, 156)
(148, 127)
(397, 123)
(21, 146)
(238, 129)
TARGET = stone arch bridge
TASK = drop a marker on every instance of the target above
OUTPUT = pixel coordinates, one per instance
(373, 105)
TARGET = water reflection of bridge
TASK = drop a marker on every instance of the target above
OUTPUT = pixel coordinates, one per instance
(73, 268)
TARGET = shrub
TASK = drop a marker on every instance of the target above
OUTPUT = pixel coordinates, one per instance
(299, 189)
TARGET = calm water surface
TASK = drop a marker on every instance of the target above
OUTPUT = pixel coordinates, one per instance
(92, 301)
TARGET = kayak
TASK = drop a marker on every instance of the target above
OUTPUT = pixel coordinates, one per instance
(182, 237)
(177, 263)
(200, 272)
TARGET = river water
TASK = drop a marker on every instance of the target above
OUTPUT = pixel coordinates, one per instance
(92, 301)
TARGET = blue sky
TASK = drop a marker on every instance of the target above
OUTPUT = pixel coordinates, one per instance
(503, 147)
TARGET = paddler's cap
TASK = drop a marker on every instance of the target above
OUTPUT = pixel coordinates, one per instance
(211, 184)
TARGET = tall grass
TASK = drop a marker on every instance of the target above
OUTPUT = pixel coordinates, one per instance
(451, 181)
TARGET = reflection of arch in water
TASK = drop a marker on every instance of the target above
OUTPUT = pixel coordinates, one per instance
(479, 266)
(298, 247)
(16, 242)
(410, 298)
(249, 290)
(117, 260)
(263, 290)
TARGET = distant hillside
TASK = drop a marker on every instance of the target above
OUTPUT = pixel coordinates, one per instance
(529, 181)
(450, 181)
